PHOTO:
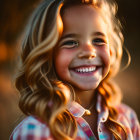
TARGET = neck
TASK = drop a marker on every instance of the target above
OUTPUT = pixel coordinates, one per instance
(84, 98)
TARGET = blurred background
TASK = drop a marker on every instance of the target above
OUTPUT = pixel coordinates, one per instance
(13, 18)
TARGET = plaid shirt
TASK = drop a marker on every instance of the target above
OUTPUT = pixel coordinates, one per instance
(32, 128)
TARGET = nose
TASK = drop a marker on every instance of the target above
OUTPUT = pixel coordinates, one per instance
(87, 51)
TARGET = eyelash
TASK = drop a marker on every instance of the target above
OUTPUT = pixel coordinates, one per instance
(99, 42)
(70, 44)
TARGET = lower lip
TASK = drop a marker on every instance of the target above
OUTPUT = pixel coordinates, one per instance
(86, 73)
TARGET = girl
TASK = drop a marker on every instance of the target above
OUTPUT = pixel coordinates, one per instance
(71, 50)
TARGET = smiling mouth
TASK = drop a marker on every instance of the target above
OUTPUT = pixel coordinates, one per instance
(85, 69)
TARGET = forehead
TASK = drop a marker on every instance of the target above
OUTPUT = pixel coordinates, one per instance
(80, 9)
(84, 17)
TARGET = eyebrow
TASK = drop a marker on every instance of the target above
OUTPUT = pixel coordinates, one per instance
(99, 34)
(69, 35)
(76, 35)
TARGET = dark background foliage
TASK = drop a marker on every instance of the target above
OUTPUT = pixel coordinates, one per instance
(13, 17)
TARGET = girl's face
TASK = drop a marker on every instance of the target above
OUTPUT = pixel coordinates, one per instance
(82, 57)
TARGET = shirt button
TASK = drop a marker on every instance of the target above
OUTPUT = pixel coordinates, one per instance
(103, 119)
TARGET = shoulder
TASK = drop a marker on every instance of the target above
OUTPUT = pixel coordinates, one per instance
(127, 112)
(125, 109)
(31, 128)
(128, 117)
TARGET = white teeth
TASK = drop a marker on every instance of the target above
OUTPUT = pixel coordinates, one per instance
(90, 69)
(93, 68)
(86, 70)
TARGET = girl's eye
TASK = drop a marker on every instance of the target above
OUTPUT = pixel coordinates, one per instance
(70, 44)
(99, 42)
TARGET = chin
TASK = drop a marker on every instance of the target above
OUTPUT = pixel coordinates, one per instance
(86, 87)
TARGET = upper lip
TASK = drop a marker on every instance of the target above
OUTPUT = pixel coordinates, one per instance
(84, 66)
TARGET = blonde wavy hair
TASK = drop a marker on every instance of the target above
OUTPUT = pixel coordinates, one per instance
(42, 94)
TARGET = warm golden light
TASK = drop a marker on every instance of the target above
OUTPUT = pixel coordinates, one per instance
(59, 21)
(3, 52)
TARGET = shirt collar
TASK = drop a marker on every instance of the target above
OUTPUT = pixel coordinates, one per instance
(78, 111)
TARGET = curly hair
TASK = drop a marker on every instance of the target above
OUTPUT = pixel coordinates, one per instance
(42, 94)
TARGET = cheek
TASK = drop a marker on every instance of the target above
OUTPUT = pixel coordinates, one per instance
(105, 55)
(62, 61)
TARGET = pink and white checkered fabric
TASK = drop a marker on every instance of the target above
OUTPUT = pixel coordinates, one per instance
(32, 128)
